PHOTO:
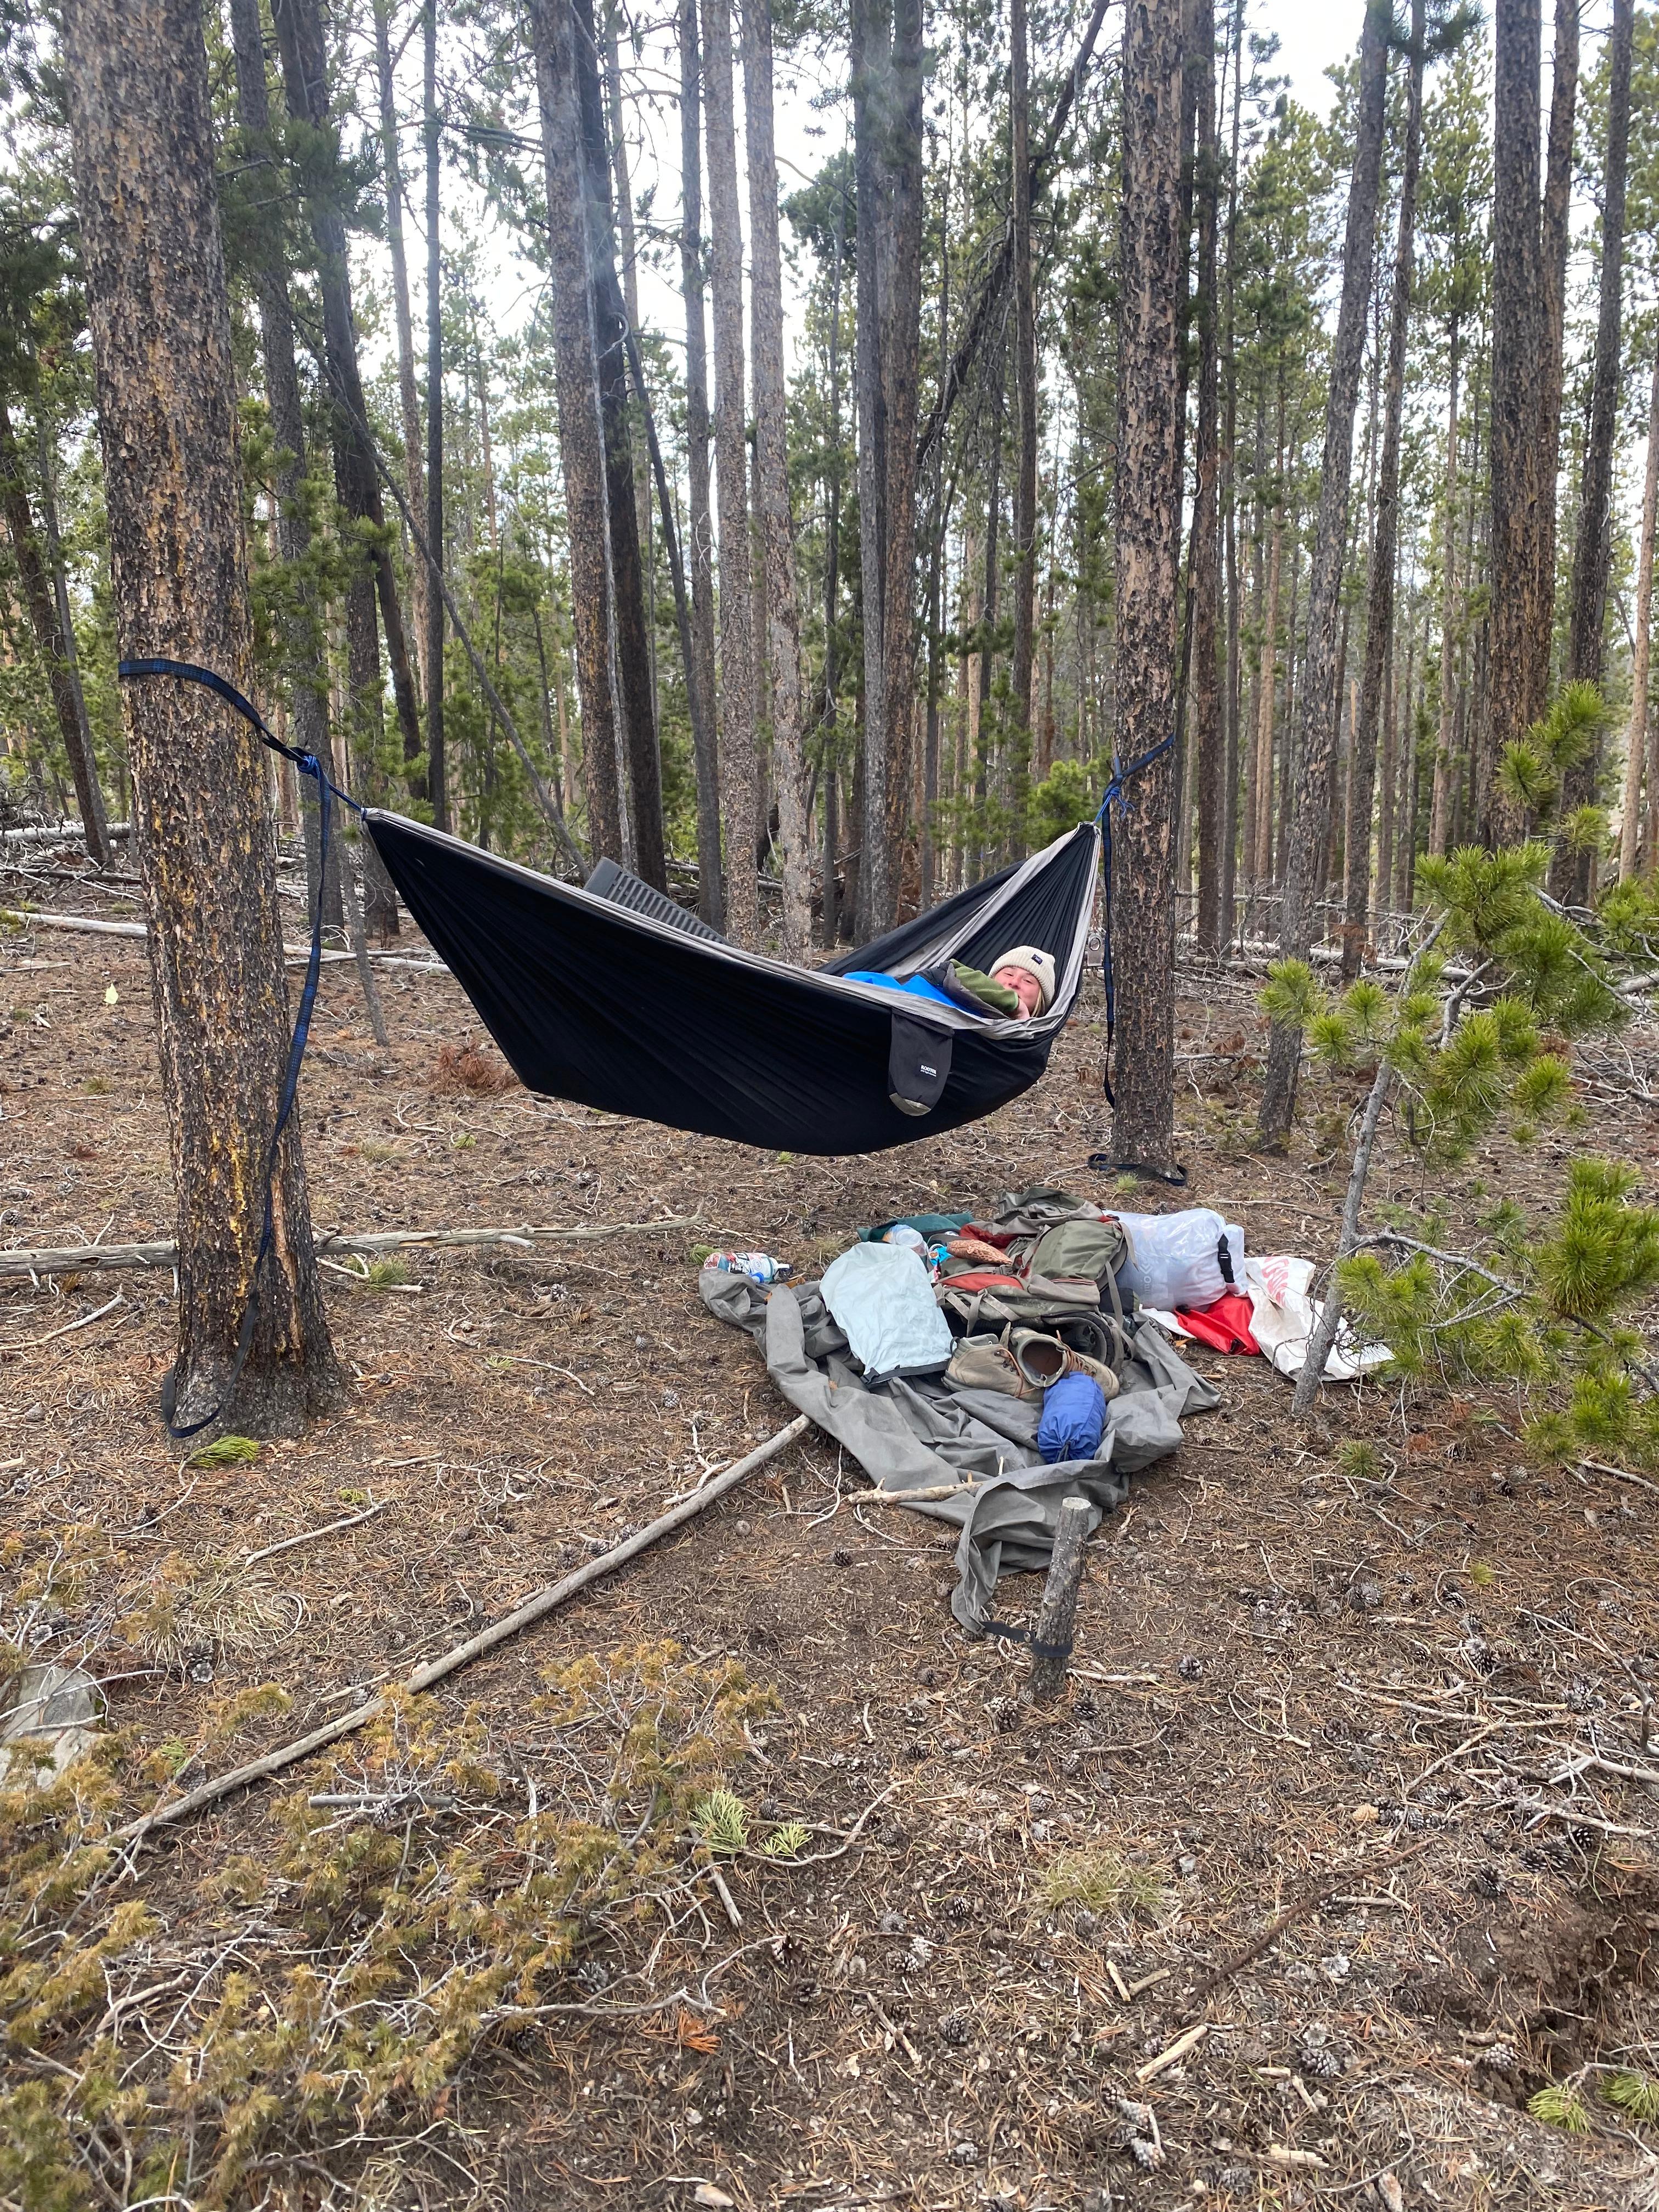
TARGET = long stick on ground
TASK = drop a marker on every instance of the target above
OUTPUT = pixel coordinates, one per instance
(93, 1259)
(435, 1670)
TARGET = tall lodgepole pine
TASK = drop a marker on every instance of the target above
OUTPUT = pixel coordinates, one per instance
(1316, 748)
(610, 328)
(1025, 419)
(409, 403)
(51, 642)
(1379, 610)
(142, 133)
(1638, 835)
(304, 54)
(777, 532)
(437, 770)
(1529, 265)
(303, 647)
(1208, 739)
(887, 142)
(1592, 557)
(576, 390)
(700, 534)
(739, 783)
(1148, 522)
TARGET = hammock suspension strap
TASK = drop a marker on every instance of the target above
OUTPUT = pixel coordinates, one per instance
(307, 764)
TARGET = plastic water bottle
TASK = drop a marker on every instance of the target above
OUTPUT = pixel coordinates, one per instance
(760, 1267)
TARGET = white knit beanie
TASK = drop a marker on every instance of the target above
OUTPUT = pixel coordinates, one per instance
(1034, 961)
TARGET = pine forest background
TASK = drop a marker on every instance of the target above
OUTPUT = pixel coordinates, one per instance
(877, 439)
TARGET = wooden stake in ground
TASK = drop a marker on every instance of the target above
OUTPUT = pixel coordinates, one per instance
(1059, 1613)
(141, 123)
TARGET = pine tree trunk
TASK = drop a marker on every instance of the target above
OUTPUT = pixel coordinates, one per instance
(1593, 551)
(141, 125)
(1379, 617)
(1229, 482)
(437, 777)
(1634, 841)
(771, 481)
(576, 387)
(1025, 422)
(616, 142)
(633, 631)
(303, 650)
(1208, 736)
(1555, 243)
(887, 82)
(739, 780)
(52, 640)
(829, 712)
(1148, 524)
(305, 80)
(699, 536)
(1528, 260)
(1317, 735)
(1440, 799)
(409, 403)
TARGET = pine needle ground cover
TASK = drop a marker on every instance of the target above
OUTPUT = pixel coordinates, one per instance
(1391, 1676)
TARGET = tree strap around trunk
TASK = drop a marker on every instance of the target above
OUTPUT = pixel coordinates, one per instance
(327, 793)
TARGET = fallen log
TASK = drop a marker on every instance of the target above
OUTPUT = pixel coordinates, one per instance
(90, 925)
(435, 1670)
(60, 833)
(97, 1259)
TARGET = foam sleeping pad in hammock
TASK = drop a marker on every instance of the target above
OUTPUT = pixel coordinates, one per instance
(604, 996)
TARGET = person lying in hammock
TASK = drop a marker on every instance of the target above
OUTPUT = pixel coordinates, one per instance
(1020, 984)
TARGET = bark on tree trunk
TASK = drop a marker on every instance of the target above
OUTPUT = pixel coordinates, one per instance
(304, 653)
(1316, 736)
(577, 393)
(739, 785)
(1633, 841)
(1528, 261)
(409, 402)
(887, 78)
(829, 711)
(1019, 742)
(771, 481)
(305, 79)
(1379, 616)
(1229, 480)
(437, 775)
(633, 632)
(1593, 552)
(1207, 737)
(616, 142)
(700, 537)
(1148, 512)
(1440, 798)
(140, 126)
(52, 642)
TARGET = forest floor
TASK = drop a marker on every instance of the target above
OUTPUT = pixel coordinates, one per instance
(1285, 1798)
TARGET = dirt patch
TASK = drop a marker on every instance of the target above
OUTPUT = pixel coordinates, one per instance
(1295, 1691)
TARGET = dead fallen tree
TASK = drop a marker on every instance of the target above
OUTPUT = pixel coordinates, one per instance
(100, 1259)
(89, 925)
(534, 1608)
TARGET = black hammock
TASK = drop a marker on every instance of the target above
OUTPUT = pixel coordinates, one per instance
(613, 997)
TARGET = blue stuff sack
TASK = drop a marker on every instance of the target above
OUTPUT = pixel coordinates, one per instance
(1074, 1418)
